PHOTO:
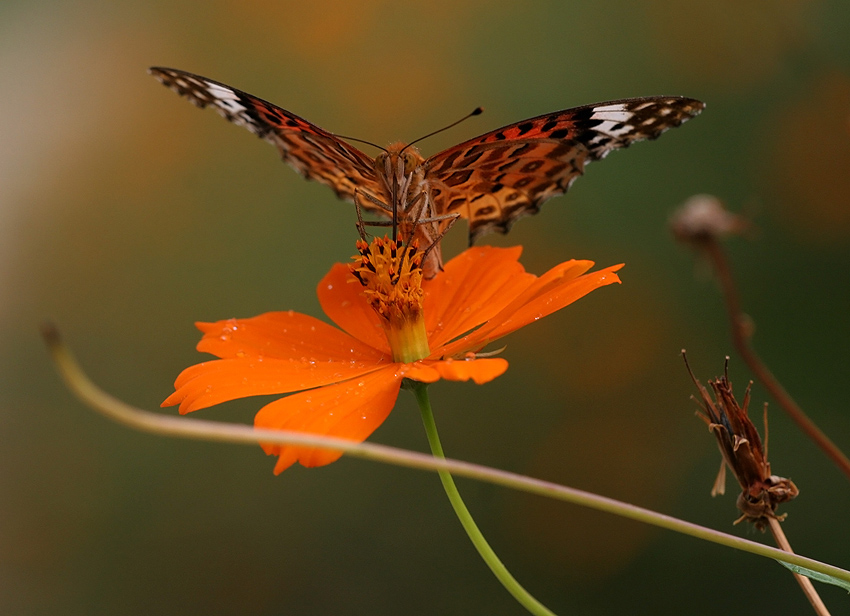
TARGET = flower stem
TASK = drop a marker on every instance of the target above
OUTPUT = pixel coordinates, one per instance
(420, 390)
(804, 582)
(741, 331)
(214, 431)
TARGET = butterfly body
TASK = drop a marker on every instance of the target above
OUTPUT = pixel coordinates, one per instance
(491, 180)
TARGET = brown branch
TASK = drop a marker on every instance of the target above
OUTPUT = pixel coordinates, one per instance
(804, 582)
(741, 331)
(701, 222)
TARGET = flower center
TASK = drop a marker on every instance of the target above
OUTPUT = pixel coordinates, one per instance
(391, 273)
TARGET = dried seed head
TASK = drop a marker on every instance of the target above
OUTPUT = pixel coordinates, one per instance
(741, 447)
(703, 217)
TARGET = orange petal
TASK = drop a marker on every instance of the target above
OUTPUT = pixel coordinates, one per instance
(562, 293)
(420, 371)
(282, 335)
(475, 286)
(217, 381)
(340, 295)
(479, 370)
(351, 410)
(559, 287)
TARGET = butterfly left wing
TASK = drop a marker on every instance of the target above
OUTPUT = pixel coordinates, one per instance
(496, 178)
(312, 151)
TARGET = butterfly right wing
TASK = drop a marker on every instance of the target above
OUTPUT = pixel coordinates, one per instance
(508, 173)
(313, 152)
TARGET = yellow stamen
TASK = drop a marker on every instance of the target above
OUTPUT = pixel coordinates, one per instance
(391, 273)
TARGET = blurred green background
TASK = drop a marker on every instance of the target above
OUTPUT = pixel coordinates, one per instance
(126, 215)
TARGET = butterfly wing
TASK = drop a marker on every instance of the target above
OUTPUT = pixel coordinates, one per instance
(313, 152)
(496, 178)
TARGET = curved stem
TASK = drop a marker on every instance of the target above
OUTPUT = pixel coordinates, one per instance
(420, 390)
(200, 429)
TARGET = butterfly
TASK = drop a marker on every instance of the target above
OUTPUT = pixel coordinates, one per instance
(491, 180)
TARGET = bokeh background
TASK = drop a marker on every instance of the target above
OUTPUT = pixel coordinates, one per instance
(126, 215)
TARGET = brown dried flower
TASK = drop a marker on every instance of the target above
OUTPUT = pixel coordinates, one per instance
(742, 451)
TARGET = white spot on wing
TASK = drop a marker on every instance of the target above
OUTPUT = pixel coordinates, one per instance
(643, 105)
(615, 129)
(221, 92)
(612, 113)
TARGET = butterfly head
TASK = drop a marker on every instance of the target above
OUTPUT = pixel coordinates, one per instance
(398, 159)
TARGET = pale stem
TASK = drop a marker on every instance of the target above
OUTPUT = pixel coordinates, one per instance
(200, 429)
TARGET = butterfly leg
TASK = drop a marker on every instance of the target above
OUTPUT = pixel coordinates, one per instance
(429, 229)
(374, 200)
(362, 224)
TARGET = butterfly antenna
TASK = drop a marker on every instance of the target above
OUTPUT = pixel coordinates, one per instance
(475, 112)
(374, 145)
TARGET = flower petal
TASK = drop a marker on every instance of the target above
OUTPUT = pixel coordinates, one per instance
(479, 370)
(340, 295)
(420, 371)
(213, 382)
(282, 335)
(559, 287)
(350, 410)
(555, 292)
(474, 286)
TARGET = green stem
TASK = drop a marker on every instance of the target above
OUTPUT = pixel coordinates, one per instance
(420, 390)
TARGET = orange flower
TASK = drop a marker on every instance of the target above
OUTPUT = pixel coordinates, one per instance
(348, 378)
